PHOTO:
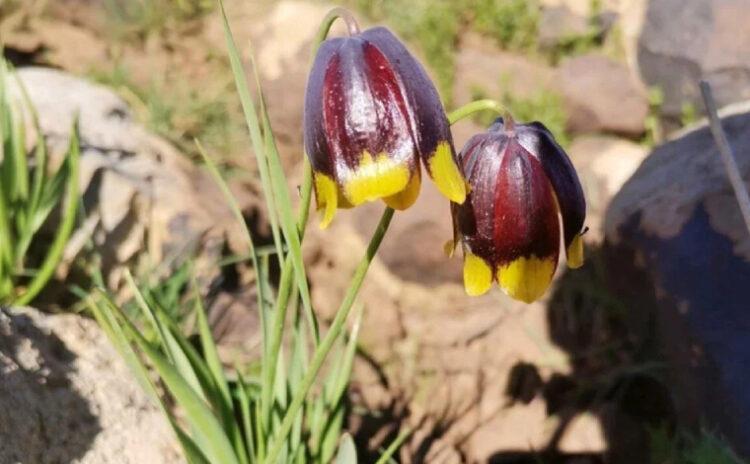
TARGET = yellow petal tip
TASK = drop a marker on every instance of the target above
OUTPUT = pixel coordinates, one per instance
(446, 175)
(405, 198)
(575, 252)
(477, 275)
(326, 195)
(526, 279)
(377, 177)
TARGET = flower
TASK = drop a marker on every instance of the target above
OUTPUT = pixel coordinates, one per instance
(371, 113)
(520, 179)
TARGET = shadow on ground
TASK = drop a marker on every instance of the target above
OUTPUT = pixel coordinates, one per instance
(616, 375)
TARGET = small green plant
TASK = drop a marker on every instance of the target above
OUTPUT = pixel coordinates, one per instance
(141, 18)
(688, 448)
(29, 193)
(688, 114)
(513, 23)
(275, 411)
(178, 112)
(654, 132)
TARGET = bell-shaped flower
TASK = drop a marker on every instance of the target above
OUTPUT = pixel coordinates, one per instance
(520, 180)
(371, 113)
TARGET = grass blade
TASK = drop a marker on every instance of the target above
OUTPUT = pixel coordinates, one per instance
(65, 228)
(251, 118)
(393, 447)
(209, 432)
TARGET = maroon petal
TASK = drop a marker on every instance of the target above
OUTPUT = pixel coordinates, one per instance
(537, 139)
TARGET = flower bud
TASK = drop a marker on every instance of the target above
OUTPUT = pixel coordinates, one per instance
(371, 113)
(520, 179)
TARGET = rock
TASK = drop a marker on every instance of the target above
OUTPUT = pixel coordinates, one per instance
(482, 68)
(559, 24)
(603, 164)
(680, 42)
(601, 95)
(66, 396)
(679, 257)
(141, 197)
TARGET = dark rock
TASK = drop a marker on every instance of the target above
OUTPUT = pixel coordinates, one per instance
(679, 256)
(683, 41)
(602, 95)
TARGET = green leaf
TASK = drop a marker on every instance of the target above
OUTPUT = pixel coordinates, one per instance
(393, 447)
(64, 230)
(209, 432)
(347, 451)
(251, 118)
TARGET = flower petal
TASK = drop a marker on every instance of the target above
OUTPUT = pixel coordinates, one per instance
(326, 196)
(537, 139)
(429, 122)
(406, 197)
(375, 178)
(477, 275)
(527, 279)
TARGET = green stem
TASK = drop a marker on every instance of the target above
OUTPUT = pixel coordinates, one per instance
(287, 272)
(475, 107)
(333, 333)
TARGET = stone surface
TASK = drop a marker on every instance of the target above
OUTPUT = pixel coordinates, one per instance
(484, 68)
(679, 256)
(559, 24)
(682, 41)
(66, 396)
(603, 164)
(143, 199)
(602, 95)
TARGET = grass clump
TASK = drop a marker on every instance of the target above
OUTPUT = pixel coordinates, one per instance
(142, 18)
(29, 193)
(178, 111)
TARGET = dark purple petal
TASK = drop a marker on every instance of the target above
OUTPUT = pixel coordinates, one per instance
(539, 141)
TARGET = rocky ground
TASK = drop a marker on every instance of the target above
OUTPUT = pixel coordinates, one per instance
(571, 378)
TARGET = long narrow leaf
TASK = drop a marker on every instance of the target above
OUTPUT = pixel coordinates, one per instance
(251, 118)
(218, 449)
(55, 252)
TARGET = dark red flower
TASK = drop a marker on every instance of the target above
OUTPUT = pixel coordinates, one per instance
(520, 179)
(371, 113)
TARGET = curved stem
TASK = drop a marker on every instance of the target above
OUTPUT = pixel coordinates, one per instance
(333, 333)
(352, 26)
(477, 106)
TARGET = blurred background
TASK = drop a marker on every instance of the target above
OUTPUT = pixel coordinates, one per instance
(640, 356)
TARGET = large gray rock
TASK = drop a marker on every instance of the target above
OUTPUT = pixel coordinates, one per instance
(683, 41)
(679, 256)
(142, 198)
(601, 95)
(66, 396)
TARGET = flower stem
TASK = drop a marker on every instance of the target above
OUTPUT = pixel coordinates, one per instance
(287, 272)
(725, 152)
(333, 333)
(475, 107)
(352, 26)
